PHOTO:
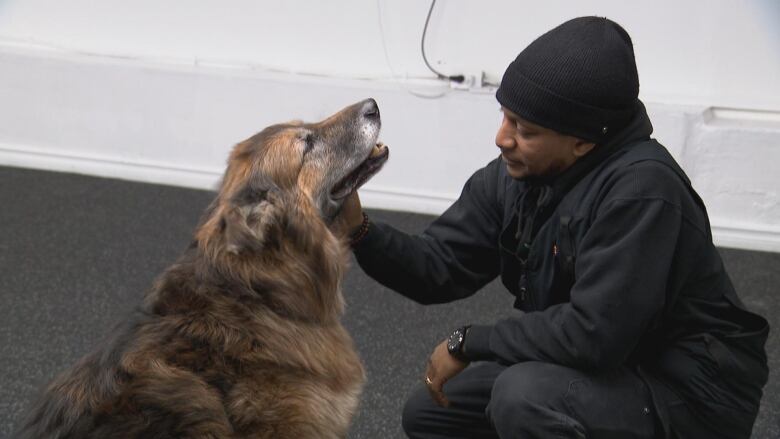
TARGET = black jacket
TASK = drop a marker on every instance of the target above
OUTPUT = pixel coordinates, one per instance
(620, 270)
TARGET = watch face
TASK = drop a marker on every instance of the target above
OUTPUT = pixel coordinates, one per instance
(453, 343)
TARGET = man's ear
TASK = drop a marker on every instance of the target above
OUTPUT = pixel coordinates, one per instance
(582, 147)
(248, 217)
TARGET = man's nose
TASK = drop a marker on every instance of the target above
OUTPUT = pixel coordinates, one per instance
(504, 138)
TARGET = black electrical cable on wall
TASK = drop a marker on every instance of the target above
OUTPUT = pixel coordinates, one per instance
(454, 78)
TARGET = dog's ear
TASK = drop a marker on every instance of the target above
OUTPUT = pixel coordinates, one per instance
(249, 218)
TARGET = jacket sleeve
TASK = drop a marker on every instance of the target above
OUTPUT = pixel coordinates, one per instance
(622, 269)
(453, 258)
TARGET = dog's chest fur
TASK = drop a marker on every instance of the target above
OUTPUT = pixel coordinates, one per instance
(270, 361)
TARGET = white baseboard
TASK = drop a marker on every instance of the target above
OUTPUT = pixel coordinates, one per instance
(159, 173)
(747, 237)
(742, 236)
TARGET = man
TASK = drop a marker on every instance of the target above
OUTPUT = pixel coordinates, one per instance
(632, 328)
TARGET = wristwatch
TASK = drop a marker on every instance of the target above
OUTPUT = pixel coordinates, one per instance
(455, 343)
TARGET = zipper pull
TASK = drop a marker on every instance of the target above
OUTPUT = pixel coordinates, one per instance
(523, 284)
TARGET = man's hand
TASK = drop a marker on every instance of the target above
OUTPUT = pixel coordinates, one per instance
(350, 217)
(441, 367)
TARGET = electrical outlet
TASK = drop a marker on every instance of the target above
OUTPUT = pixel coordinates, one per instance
(466, 84)
(474, 81)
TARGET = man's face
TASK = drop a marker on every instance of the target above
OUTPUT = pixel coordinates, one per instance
(530, 150)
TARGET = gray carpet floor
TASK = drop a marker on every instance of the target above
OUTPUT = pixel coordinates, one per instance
(77, 253)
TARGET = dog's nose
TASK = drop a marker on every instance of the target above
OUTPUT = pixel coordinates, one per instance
(370, 109)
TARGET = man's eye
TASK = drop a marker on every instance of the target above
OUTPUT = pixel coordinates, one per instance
(524, 132)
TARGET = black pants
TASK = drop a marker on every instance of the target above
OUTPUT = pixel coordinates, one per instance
(534, 400)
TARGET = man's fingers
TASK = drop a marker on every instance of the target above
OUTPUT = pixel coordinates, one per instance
(436, 393)
(441, 367)
(435, 389)
(442, 400)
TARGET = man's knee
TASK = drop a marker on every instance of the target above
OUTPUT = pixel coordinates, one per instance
(525, 387)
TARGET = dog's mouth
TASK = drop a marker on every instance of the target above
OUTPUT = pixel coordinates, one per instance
(367, 169)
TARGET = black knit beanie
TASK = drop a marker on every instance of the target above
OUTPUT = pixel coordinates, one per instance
(578, 79)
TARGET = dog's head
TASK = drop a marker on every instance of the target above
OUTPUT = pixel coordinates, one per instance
(318, 164)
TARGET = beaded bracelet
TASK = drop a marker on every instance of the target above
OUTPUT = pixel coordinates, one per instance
(361, 232)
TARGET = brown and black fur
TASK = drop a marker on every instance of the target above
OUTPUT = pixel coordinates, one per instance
(241, 337)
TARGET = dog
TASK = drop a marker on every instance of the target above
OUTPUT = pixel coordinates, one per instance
(241, 337)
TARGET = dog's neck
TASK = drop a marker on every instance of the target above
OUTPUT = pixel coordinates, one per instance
(295, 271)
(301, 268)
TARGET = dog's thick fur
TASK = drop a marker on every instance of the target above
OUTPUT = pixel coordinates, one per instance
(241, 337)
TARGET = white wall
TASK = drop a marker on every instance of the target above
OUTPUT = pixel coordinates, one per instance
(159, 91)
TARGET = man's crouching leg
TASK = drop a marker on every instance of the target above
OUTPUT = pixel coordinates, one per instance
(469, 394)
(541, 400)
